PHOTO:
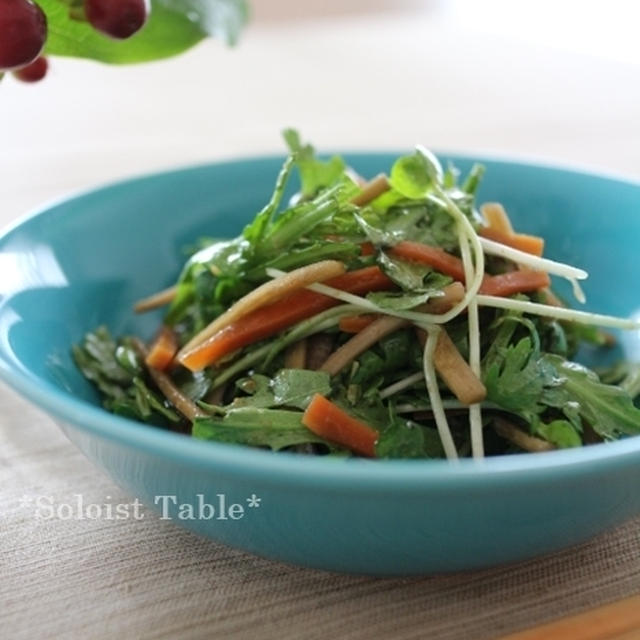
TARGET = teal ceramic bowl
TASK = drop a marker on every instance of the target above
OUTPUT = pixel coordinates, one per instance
(84, 261)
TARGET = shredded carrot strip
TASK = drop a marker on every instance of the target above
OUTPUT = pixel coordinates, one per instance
(354, 324)
(434, 257)
(508, 284)
(327, 420)
(179, 400)
(273, 318)
(162, 350)
(270, 291)
(529, 244)
(367, 249)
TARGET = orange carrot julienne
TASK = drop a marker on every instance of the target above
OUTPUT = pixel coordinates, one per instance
(355, 324)
(529, 244)
(497, 218)
(162, 350)
(508, 284)
(502, 285)
(434, 257)
(327, 420)
(367, 249)
(273, 318)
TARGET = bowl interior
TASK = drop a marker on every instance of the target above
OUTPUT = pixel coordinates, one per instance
(84, 261)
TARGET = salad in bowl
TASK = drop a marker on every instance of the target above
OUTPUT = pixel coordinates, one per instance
(383, 317)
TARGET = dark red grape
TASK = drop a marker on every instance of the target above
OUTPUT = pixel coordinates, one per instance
(23, 31)
(34, 71)
(117, 18)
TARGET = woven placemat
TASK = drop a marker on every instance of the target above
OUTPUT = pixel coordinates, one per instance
(100, 578)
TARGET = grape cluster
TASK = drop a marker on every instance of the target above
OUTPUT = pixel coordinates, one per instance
(117, 18)
(23, 31)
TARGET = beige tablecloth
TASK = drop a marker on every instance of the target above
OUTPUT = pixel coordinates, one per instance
(147, 578)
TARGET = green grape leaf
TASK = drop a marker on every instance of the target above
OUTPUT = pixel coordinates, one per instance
(173, 27)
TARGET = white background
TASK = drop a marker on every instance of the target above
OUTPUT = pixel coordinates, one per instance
(557, 80)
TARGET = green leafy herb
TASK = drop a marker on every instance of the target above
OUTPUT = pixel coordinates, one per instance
(398, 301)
(259, 393)
(272, 428)
(254, 232)
(410, 176)
(517, 378)
(413, 176)
(474, 178)
(296, 387)
(392, 354)
(300, 220)
(407, 439)
(115, 370)
(560, 433)
(413, 276)
(451, 176)
(314, 174)
(210, 281)
(624, 374)
(299, 257)
(288, 388)
(424, 221)
(527, 383)
(607, 408)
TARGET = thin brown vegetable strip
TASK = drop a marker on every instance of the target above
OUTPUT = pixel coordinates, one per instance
(319, 348)
(452, 294)
(520, 438)
(372, 190)
(295, 356)
(182, 403)
(456, 372)
(385, 325)
(265, 294)
(355, 176)
(216, 396)
(366, 338)
(551, 298)
(159, 299)
(354, 324)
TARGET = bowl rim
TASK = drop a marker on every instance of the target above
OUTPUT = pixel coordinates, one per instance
(351, 474)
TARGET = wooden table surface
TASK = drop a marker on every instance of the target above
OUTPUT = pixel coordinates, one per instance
(389, 77)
